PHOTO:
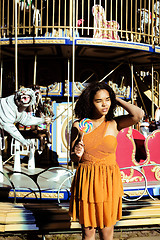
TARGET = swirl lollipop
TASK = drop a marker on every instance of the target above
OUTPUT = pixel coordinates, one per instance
(85, 125)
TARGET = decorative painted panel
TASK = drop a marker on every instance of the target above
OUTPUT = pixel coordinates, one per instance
(54, 89)
(61, 138)
(124, 92)
(78, 88)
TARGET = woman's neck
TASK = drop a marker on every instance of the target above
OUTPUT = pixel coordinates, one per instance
(98, 119)
(97, 122)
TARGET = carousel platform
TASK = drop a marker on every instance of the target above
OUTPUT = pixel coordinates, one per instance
(45, 218)
(38, 200)
(30, 184)
(54, 184)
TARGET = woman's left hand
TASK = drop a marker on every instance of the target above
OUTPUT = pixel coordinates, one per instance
(79, 149)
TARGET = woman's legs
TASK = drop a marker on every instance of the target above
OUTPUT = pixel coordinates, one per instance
(88, 233)
(106, 233)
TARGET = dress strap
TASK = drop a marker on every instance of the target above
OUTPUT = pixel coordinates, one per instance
(106, 124)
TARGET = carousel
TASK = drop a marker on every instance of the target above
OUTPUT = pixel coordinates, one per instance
(49, 51)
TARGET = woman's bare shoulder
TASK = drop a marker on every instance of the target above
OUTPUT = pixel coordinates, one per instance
(113, 126)
(113, 123)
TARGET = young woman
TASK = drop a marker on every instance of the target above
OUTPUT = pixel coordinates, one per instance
(96, 193)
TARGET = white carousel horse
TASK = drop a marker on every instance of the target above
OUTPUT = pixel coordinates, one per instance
(36, 11)
(103, 28)
(146, 18)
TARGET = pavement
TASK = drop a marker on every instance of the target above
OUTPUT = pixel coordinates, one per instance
(123, 235)
(144, 238)
(138, 235)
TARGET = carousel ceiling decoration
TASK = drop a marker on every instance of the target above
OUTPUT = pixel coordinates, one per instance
(124, 91)
(78, 88)
(54, 89)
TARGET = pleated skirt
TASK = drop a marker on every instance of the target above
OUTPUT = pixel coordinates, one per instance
(96, 195)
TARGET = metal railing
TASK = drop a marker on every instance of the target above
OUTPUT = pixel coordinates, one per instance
(127, 20)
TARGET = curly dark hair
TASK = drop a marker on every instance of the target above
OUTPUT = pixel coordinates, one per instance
(84, 105)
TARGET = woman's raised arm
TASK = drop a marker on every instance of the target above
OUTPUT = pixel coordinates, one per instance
(135, 114)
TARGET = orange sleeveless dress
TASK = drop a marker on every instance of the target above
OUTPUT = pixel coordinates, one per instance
(96, 192)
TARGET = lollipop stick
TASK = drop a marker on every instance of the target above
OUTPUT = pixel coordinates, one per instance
(82, 136)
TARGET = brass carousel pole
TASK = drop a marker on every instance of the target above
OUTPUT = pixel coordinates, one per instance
(16, 50)
(17, 163)
(73, 60)
(132, 80)
(1, 161)
(1, 78)
(35, 70)
(73, 56)
(68, 113)
(152, 109)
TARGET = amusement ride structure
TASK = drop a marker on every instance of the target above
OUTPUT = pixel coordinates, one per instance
(61, 46)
